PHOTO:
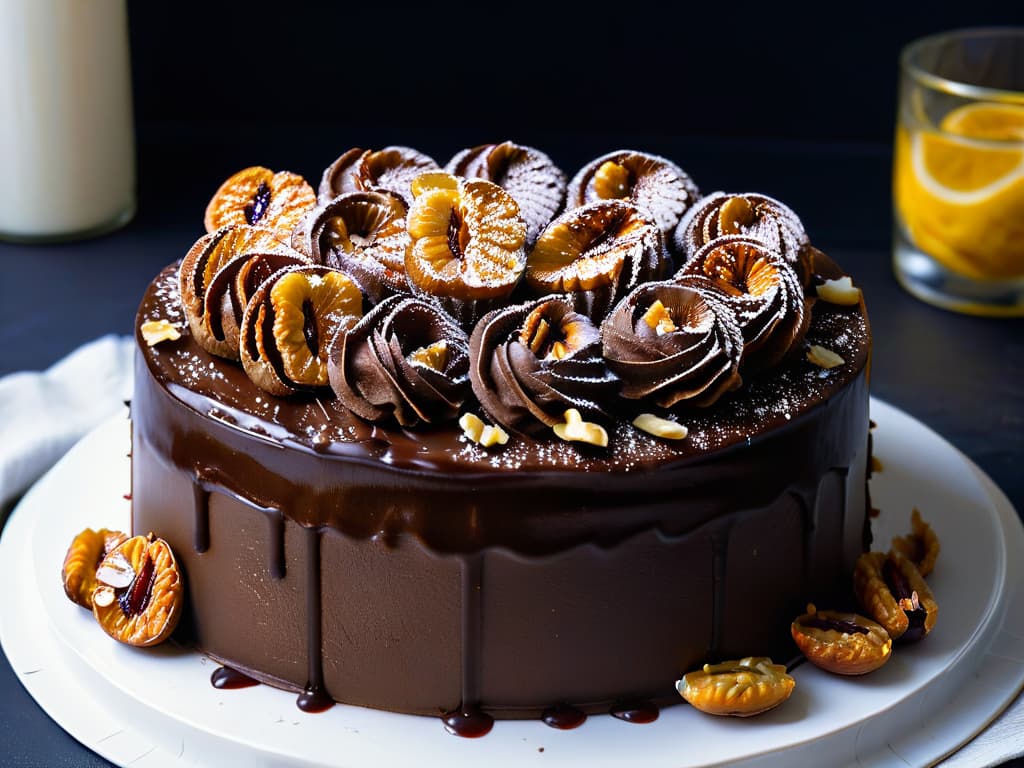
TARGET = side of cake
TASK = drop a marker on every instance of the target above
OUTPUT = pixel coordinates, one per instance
(347, 538)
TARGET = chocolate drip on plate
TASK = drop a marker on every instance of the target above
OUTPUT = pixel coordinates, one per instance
(228, 678)
(314, 698)
(563, 717)
(639, 712)
(469, 720)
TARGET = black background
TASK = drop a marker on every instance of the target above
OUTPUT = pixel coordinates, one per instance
(527, 71)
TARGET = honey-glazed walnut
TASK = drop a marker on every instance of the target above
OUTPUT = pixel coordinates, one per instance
(139, 592)
(83, 557)
(841, 642)
(467, 244)
(741, 688)
(212, 318)
(289, 324)
(920, 546)
(893, 592)
(259, 197)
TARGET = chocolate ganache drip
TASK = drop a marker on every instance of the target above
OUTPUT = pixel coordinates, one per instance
(530, 363)
(762, 289)
(674, 342)
(406, 359)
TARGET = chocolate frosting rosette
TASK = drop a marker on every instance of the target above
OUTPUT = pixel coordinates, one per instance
(651, 182)
(526, 173)
(596, 254)
(762, 289)
(404, 360)
(532, 362)
(674, 342)
(748, 213)
(363, 234)
(391, 169)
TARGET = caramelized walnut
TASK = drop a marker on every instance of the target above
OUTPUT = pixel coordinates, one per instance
(139, 593)
(83, 557)
(653, 183)
(529, 175)
(391, 169)
(406, 360)
(841, 642)
(741, 688)
(289, 323)
(763, 291)
(363, 234)
(674, 342)
(204, 309)
(259, 197)
(467, 244)
(893, 592)
(920, 546)
(531, 362)
(597, 254)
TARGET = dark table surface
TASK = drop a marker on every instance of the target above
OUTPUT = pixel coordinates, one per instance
(962, 376)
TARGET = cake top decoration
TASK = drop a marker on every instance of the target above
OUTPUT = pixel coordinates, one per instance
(417, 295)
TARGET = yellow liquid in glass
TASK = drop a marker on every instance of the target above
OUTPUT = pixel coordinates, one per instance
(959, 192)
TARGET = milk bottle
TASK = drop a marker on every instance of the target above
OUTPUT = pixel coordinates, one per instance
(67, 150)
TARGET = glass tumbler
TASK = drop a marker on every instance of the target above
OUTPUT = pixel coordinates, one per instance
(958, 171)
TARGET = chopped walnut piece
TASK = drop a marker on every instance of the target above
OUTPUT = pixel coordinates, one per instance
(155, 331)
(824, 358)
(841, 291)
(659, 427)
(577, 430)
(434, 356)
(659, 319)
(480, 433)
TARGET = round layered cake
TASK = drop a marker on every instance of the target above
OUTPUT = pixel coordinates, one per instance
(520, 467)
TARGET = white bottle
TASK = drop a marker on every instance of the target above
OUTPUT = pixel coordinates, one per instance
(67, 147)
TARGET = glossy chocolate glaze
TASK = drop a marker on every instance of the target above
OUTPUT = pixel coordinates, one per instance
(415, 572)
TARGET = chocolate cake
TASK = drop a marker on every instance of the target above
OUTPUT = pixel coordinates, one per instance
(678, 432)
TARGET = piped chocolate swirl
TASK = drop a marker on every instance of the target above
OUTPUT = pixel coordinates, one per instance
(391, 169)
(751, 214)
(405, 361)
(654, 183)
(673, 343)
(763, 291)
(363, 234)
(532, 362)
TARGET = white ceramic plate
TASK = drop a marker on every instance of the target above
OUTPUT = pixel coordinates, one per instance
(158, 708)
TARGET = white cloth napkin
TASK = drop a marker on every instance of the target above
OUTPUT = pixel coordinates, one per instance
(43, 414)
